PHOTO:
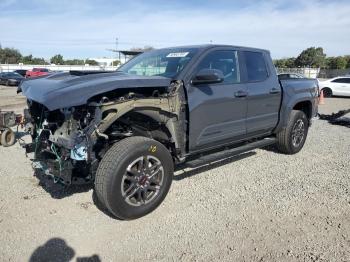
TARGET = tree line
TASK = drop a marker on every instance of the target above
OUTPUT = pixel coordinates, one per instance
(14, 56)
(311, 57)
(314, 57)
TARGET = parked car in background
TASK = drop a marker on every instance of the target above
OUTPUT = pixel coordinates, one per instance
(290, 76)
(10, 78)
(22, 72)
(338, 86)
(35, 72)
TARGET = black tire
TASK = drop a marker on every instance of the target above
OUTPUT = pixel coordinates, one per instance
(111, 177)
(327, 92)
(8, 137)
(288, 140)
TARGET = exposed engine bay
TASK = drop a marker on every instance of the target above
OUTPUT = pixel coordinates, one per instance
(68, 143)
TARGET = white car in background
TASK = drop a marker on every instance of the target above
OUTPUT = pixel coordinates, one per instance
(338, 86)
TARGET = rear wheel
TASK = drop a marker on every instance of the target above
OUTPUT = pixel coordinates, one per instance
(8, 137)
(327, 92)
(291, 139)
(134, 177)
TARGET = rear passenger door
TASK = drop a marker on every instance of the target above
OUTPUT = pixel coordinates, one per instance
(264, 92)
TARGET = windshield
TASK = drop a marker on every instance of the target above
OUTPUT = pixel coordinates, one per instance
(163, 62)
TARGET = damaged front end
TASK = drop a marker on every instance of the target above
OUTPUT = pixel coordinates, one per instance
(68, 143)
(62, 140)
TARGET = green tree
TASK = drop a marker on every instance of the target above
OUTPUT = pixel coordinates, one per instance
(10, 56)
(91, 62)
(347, 57)
(285, 62)
(280, 63)
(290, 62)
(74, 62)
(57, 60)
(311, 57)
(30, 60)
(116, 63)
(27, 60)
(338, 62)
(39, 61)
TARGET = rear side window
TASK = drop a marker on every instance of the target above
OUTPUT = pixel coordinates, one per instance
(225, 61)
(342, 80)
(256, 66)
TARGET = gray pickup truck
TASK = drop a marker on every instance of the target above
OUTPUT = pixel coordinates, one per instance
(127, 130)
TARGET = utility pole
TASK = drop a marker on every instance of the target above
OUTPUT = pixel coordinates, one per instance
(116, 48)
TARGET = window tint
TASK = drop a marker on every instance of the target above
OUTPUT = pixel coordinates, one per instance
(342, 80)
(283, 76)
(225, 61)
(256, 67)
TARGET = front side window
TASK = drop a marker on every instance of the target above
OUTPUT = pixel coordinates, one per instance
(256, 66)
(225, 61)
(163, 62)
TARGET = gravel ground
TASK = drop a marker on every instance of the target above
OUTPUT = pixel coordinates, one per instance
(259, 206)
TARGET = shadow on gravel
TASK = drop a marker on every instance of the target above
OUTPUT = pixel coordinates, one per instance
(207, 167)
(56, 249)
(271, 148)
(57, 190)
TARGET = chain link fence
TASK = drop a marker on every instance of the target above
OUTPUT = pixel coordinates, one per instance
(315, 72)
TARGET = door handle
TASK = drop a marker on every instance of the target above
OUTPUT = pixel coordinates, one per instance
(241, 93)
(274, 91)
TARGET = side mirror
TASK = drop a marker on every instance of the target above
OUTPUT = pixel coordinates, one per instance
(208, 76)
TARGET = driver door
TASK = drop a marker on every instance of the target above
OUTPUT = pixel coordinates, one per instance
(217, 112)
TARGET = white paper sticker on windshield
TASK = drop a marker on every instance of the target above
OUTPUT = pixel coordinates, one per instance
(179, 54)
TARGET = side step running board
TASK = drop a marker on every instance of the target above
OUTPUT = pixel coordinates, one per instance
(205, 159)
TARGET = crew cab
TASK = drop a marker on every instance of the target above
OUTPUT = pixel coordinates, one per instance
(126, 131)
(35, 72)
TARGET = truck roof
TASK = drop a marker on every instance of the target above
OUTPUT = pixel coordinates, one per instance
(209, 46)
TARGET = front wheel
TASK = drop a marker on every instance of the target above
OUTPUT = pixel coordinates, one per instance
(291, 139)
(134, 177)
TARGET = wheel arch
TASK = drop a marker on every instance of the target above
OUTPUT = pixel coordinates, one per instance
(304, 106)
(327, 88)
(151, 122)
